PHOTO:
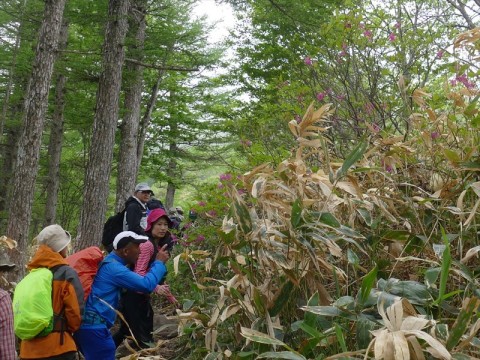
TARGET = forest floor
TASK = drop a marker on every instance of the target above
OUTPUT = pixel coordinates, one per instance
(168, 344)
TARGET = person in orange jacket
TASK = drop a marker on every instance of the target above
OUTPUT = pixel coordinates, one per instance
(67, 298)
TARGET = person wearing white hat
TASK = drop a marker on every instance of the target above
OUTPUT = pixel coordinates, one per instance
(67, 298)
(94, 338)
(136, 209)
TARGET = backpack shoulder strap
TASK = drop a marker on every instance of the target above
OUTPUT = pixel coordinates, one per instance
(59, 320)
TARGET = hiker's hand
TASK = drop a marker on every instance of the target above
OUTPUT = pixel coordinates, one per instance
(163, 254)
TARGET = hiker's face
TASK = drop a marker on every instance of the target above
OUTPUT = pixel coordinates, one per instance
(160, 228)
(143, 196)
(131, 252)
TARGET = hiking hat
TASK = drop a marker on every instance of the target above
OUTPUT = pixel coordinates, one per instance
(154, 215)
(54, 237)
(143, 187)
(126, 237)
(5, 263)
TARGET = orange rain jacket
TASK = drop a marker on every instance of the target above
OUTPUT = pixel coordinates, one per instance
(67, 293)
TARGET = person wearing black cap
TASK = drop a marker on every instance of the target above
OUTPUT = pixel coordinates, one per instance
(7, 337)
(136, 209)
(94, 338)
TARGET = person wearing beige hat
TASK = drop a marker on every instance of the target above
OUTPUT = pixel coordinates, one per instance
(67, 298)
(7, 337)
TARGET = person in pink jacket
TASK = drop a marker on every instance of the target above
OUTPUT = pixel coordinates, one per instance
(137, 308)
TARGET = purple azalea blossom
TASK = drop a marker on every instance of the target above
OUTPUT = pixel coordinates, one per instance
(308, 61)
(225, 177)
(392, 37)
(440, 54)
(368, 34)
(202, 203)
(435, 135)
(320, 96)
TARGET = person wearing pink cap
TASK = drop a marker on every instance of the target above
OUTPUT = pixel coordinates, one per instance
(137, 308)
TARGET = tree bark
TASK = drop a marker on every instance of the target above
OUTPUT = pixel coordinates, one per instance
(127, 162)
(56, 140)
(104, 124)
(36, 102)
(171, 173)
(146, 119)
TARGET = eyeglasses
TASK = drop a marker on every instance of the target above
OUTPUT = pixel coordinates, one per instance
(146, 192)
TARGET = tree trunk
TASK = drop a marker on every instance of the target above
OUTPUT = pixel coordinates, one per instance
(56, 140)
(104, 124)
(127, 162)
(171, 173)
(146, 119)
(36, 102)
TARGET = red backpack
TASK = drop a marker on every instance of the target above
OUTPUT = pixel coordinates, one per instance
(86, 262)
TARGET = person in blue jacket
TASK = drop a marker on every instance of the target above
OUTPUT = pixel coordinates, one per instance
(93, 338)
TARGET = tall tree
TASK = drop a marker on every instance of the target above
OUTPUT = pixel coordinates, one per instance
(127, 159)
(56, 140)
(105, 122)
(36, 102)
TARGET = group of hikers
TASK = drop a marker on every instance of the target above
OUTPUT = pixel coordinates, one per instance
(124, 280)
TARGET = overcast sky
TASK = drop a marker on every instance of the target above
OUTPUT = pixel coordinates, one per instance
(221, 14)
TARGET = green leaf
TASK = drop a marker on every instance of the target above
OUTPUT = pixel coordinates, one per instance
(309, 318)
(243, 217)
(281, 355)
(363, 327)
(282, 299)
(365, 215)
(367, 284)
(431, 276)
(329, 219)
(446, 261)
(460, 325)
(340, 337)
(352, 257)
(257, 336)
(352, 158)
(296, 213)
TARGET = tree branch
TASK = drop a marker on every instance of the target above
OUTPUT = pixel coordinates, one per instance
(161, 67)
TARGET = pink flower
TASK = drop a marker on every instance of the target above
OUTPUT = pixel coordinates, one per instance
(298, 119)
(453, 82)
(225, 177)
(376, 128)
(199, 238)
(241, 191)
(341, 97)
(212, 213)
(320, 96)
(439, 54)
(342, 53)
(435, 135)
(202, 203)
(220, 186)
(308, 61)
(392, 37)
(388, 168)
(398, 25)
(368, 34)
